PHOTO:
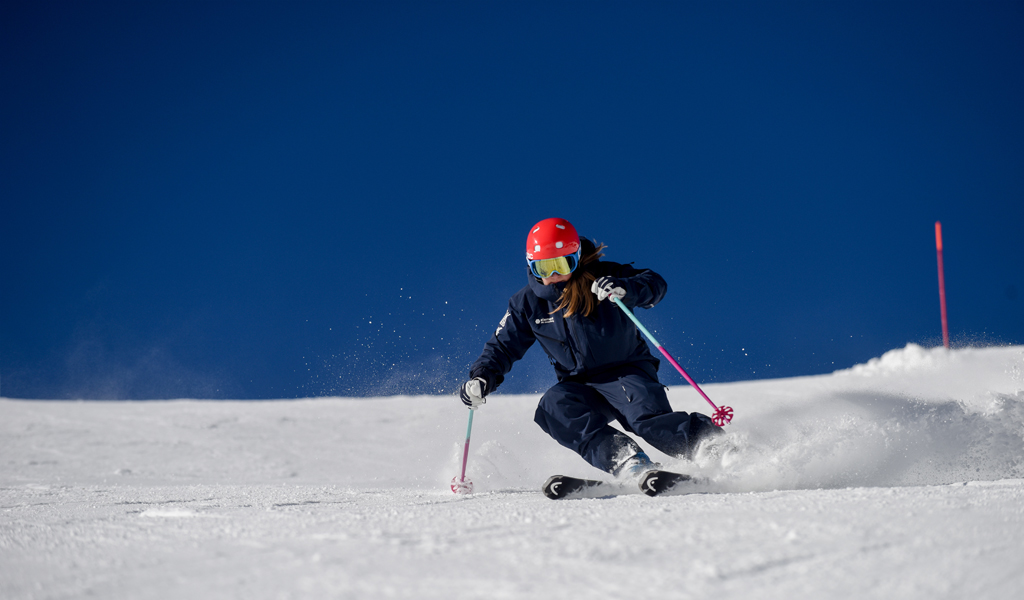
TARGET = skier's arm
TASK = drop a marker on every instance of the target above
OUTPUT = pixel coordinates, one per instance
(508, 344)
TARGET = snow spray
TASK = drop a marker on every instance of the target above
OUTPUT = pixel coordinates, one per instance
(942, 284)
(461, 485)
(721, 415)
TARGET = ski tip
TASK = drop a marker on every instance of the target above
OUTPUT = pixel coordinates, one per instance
(656, 482)
(553, 487)
(564, 486)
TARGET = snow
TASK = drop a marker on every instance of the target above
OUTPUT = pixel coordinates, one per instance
(899, 478)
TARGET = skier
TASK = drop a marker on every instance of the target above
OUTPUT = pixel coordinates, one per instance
(605, 370)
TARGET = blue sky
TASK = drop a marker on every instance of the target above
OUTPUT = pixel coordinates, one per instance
(275, 200)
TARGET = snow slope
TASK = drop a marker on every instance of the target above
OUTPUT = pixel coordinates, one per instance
(899, 478)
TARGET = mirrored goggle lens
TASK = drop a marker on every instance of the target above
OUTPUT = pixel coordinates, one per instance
(547, 267)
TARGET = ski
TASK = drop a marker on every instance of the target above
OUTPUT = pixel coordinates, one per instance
(651, 483)
(656, 482)
(564, 486)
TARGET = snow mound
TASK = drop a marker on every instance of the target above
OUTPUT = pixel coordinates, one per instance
(902, 360)
(914, 416)
(878, 440)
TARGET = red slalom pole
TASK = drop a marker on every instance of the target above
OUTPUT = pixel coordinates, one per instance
(942, 284)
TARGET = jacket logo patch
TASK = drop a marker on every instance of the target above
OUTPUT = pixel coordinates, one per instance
(502, 324)
(547, 320)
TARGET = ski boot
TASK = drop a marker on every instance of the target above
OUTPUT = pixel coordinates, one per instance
(634, 467)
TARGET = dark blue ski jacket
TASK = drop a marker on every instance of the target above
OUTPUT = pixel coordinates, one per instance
(578, 347)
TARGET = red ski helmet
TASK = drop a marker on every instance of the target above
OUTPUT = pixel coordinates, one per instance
(551, 238)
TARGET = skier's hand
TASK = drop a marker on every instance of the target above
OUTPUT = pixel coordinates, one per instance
(473, 392)
(608, 286)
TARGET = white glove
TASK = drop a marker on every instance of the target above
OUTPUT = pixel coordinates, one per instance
(608, 286)
(473, 391)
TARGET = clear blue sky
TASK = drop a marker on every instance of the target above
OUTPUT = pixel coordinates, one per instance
(274, 200)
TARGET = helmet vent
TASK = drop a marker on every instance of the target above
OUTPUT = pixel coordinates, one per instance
(560, 227)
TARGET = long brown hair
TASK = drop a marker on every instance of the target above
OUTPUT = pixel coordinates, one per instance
(576, 296)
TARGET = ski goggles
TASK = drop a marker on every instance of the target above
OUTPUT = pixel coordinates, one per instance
(562, 265)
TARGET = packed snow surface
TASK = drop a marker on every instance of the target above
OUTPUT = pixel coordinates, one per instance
(899, 478)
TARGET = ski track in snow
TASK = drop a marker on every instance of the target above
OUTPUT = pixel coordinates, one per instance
(900, 478)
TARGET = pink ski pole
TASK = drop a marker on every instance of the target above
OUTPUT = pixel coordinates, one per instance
(722, 415)
(461, 485)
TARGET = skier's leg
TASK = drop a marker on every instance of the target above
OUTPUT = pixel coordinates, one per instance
(646, 411)
(578, 418)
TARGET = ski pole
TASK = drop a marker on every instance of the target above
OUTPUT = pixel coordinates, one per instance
(461, 485)
(721, 415)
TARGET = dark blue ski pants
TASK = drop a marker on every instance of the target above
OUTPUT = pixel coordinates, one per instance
(578, 415)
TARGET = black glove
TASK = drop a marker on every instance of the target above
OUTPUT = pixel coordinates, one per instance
(608, 286)
(473, 392)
